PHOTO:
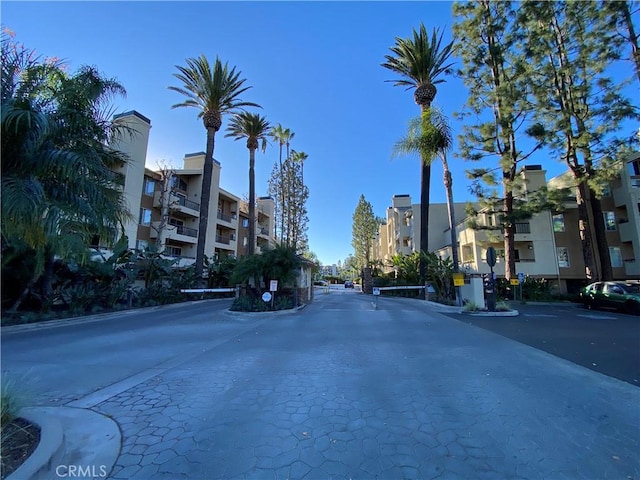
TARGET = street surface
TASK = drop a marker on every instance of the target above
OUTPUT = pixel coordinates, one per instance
(337, 390)
(605, 341)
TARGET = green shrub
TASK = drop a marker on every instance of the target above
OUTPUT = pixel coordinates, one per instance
(10, 402)
(471, 307)
(247, 303)
(283, 303)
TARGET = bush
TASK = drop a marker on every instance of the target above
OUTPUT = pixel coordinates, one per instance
(247, 303)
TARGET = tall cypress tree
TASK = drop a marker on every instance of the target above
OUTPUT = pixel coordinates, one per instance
(365, 227)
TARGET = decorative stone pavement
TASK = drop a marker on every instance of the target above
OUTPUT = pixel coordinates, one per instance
(300, 399)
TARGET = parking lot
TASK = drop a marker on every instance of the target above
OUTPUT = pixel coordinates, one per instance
(601, 340)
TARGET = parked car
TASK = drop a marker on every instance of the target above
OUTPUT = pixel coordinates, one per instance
(619, 295)
(348, 284)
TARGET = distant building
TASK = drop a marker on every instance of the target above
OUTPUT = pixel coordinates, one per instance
(329, 270)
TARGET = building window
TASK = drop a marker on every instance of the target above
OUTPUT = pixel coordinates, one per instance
(245, 223)
(141, 244)
(609, 221)
(558, 222)
(174, 251)
(489, 220)
(563, 257)
(178, 183)
(606, 190)
(145, 216)
(149, 186)
(616, 257)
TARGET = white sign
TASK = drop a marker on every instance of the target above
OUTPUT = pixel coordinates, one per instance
(376, 291)
(273, 285)
(266, 297)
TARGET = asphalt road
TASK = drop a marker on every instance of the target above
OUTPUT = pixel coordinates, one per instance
(337, 390)
(605, 341)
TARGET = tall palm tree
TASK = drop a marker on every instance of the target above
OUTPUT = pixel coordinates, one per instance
(300, 157)
(420, 61)
(255, 129)
(215, 91)
(298, 195)
(58, 188)
(431, 136)
(283, 136)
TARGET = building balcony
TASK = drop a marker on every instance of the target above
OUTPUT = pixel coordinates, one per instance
(182, 205)
(179, 204)
(627, 232)
(226, 239)
(177, 233)
(227, 218)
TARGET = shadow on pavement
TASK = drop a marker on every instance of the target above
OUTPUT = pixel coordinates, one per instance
(605, 342)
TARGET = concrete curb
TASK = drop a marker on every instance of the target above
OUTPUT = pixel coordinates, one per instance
(235, 313)
(510, 313)
(50, 450)
(25, 327)
(74, 442)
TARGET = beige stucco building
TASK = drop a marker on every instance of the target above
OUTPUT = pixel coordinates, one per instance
(165, 205)
(546, 246)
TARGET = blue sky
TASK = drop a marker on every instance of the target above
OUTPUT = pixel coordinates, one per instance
(314, 68)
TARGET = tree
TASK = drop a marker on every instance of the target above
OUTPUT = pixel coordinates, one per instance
(215, 91)
(255, 129)
(420, 61)
(620, 14)
(287, 181)
(166, 173)
(430, 136)
(283, 136)
(365, 228)
(580, 106)
(59, 189)
(299, 194)
(497, 74)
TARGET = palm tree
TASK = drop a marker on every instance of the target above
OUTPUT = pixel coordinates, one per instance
(297, 157)
(300, 157)
(255, 129)
(58, 187)
(215, 91)
(431, 136)
(420, 61)
(283, 136)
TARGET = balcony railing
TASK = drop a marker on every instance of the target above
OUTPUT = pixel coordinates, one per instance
(187, 203)
(523, 227)
(225, 239)
(263, 231)
(189, 232)
(225, 217)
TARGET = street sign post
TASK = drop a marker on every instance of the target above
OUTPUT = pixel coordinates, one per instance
(376, 294)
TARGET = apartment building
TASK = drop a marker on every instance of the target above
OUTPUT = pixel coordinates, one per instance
(265, 226)
(166, 204)
(400, 234)
(546, 246)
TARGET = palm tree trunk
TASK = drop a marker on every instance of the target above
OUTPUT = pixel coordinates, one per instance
(425, 182)
(207, 176)
(281, 198)
(252, 201)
